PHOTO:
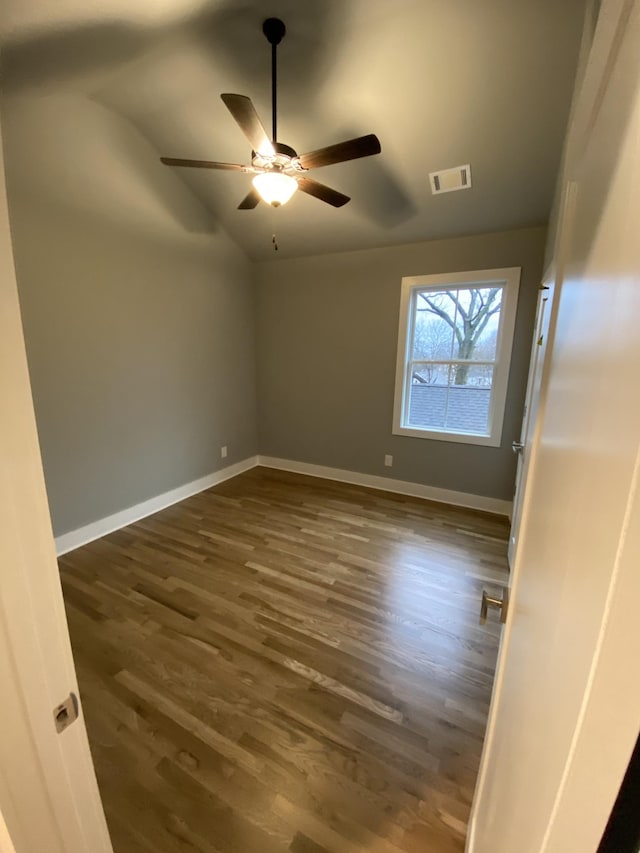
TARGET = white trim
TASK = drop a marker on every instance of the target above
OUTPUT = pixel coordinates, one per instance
(386, 484)
(507, 276)
(75, 538)
(83, 535)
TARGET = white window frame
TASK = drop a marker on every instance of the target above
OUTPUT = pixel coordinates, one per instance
(509, 277)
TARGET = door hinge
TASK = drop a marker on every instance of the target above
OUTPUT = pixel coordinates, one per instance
(66, 713)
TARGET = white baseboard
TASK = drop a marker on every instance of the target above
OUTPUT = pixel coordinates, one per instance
(75, 538)
(386, 484)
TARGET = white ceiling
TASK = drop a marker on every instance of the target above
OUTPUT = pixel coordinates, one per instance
(441, 82)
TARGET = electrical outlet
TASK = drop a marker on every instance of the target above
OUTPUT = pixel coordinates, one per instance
(223, 451)
(388, 460)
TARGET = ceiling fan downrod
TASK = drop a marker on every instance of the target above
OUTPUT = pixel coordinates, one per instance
(274, 30)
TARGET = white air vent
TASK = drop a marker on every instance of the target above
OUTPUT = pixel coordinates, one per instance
(448, 180)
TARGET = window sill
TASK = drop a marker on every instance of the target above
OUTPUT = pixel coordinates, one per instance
(455, 437)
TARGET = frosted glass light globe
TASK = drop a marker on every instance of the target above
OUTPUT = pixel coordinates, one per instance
(274, 187)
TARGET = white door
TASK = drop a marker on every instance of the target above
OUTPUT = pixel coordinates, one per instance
(49, 798)
(531, 405)
(566, 706)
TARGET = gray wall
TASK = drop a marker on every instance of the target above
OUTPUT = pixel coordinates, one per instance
(327, 336)
(138, 314)
(139, 324)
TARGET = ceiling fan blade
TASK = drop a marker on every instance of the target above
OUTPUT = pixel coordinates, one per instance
(204, 164)
(352, 149)
(245, 114)
(250, 200)
(323, 192)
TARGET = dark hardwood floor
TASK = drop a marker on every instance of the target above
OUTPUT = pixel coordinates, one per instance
(284, 663)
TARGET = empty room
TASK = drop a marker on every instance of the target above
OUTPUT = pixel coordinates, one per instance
(321, 426)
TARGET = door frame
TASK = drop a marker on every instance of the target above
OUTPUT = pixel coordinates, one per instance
(539, 352)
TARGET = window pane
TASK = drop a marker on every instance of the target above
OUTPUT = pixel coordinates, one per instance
(428, 403)
(473, 313)
(480, 332)
(472, 375)
(459, 403)
(433, 333)
(430, 374)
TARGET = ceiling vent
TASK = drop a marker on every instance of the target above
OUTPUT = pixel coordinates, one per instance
(448, 180)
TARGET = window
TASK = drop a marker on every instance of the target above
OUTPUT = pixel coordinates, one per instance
(454, 348)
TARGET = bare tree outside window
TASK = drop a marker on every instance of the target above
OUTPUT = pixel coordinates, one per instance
(431, 340)
(467, 314)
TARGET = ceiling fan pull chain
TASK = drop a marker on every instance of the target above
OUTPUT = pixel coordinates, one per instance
(274, 221)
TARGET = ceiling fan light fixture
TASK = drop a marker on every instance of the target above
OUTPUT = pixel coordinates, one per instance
(275, 188)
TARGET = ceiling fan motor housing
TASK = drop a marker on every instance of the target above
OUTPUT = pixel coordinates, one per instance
(285, 158)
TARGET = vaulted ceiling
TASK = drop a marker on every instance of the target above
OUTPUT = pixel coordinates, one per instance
(441, 82)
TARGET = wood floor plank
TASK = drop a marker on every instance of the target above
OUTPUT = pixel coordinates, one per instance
(283, 663)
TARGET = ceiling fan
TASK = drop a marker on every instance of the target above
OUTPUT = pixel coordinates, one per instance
(279, 170)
